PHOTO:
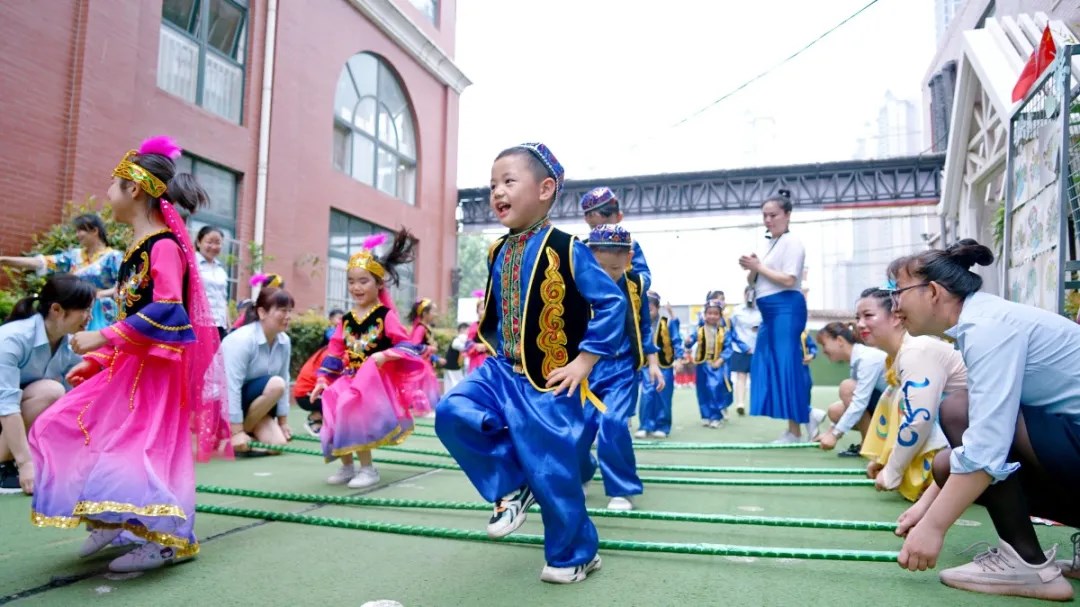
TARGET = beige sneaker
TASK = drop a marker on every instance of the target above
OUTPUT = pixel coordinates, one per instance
(1072, 568)
(1001, 571)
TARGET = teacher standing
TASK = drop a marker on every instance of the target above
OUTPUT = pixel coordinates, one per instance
(780, 389)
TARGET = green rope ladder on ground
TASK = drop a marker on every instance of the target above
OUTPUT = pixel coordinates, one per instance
(665, 480)
(723, 519)
(536, 540)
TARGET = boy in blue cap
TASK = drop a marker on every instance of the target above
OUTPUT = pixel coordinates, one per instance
(602, 208)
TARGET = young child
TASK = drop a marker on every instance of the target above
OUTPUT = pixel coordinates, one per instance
(514, 424)
(455, 359)
(654, 418)
(475, 350)
(372, 375)
(334, 317)
(115, 452)
(422, 316)
(615, 380)
(305, 383)
(712, 349)
(602, 208)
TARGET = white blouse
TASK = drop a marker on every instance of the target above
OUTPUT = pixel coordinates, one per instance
(784, 254)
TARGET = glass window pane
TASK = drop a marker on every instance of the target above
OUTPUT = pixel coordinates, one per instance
(345, 97)
(365, 69)
(337, 295)
(387, 129)
(363, 159)
(406, 135)
(220, 184)
(339, 234)
(430, 9)
(387, 172)
(390, 93)
(226, 23)
(342, 148)
(183, 164)
(364, 115)
(406, 181)
(181, 13)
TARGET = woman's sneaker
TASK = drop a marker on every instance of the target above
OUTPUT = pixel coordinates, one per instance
(9, 478)
(99, 538)
(510, 513)
(144, 558)
(1072, 568)
(570, 575)
(1001, 571)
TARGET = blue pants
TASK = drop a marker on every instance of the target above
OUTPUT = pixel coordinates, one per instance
(656, 406)
(713, 391)
(616, 383)
(505, 434)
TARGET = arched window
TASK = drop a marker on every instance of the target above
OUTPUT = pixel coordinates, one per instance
(374, 135)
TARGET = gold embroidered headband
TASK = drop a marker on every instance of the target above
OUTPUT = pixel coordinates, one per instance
(364, 260)
(132, 172)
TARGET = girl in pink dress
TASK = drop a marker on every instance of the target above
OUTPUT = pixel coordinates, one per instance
(422, 315)
(373, 377)
(116, 451)
(476, 352)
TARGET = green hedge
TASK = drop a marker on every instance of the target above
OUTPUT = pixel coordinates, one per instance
(306, 332)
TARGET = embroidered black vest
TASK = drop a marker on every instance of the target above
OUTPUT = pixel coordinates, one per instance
(632, 288)
(364, 336)
(662, 340)
(700, 354)
(135, 287)
(429, 337)
(555, 315)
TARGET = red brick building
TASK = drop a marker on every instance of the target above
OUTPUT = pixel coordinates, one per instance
(349, 128)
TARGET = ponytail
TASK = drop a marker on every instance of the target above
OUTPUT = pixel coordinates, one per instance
(181, 188)
(66, 290)
(838, 330)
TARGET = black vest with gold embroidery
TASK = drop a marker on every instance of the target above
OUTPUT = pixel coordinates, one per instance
(662, 341)
(429, 337)
(135, 287)
(364, 336)
(700, 354)
(632, 288)
(555, 315)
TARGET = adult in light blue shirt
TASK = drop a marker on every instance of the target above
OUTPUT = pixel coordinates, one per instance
(1016, 446)
(257, 372)
(35, 358)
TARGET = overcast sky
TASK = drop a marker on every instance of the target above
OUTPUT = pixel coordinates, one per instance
(603, 81)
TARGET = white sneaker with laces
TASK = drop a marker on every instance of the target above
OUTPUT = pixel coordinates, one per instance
(342, 476)
(366, 476)
(144, 558)
(99, 538)
(620, 503)
(714, 424)
(1001, 571)
(569, 575)
(658, 434)
(786, 438)
(640, 434)
(510, 513)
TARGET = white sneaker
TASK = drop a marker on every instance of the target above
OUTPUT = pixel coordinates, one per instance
(99, 538)
(658, 434)
(366, 476)
(786, 438)
(569, 575)
(510, 513)
(1001, 571)
(813, 428)
(144, 558)
(640, 434)
(620, 503)
(342, 476)
(714, 424)
(705, 423)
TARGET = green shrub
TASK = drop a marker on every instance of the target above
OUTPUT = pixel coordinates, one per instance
(306, 332)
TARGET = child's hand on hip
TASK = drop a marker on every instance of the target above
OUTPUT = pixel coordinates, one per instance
(568, 378)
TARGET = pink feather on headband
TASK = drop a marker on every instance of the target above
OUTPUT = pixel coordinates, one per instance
(373, 241)
(161, 144)
(478, 293)
(257, 279)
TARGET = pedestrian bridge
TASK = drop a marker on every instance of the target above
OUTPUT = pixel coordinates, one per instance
(914, 180)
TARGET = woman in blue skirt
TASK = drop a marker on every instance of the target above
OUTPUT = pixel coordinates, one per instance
(780, 389)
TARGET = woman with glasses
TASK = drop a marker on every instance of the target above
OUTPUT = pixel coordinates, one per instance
(1016, 445)
(780, 389)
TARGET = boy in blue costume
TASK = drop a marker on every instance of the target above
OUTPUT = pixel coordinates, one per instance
(550, 313)
(602, 208)
(654, 419)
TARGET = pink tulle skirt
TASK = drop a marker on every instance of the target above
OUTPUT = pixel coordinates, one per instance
(373, 407)
(116, 452)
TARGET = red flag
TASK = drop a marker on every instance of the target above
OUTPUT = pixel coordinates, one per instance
(1036, 65)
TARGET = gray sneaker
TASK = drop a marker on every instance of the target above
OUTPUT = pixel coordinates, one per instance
(1001, 571)
(1072, 568)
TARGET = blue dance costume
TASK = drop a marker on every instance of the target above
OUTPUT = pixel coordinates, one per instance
(655, 415)
(547, 300)
(809, 350)
(713, 384)
(616, 382)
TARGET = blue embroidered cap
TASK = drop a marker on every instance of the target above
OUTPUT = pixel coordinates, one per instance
(714, 303)
(596, 198)
(550, 162)
(654, 297)
(610, 235)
